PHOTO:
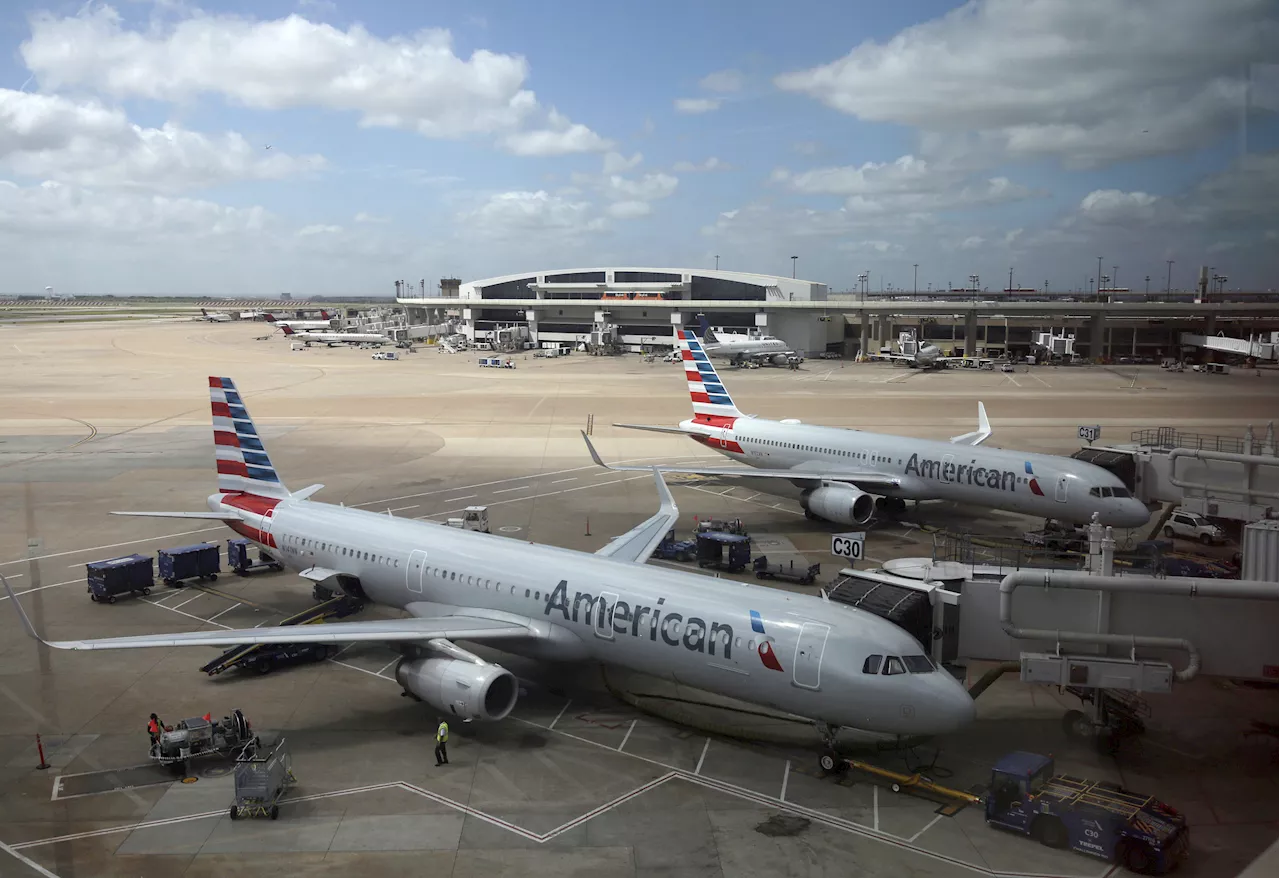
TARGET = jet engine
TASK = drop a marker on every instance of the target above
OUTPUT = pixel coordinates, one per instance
(779, 359)
(467, 690)
(843, 504)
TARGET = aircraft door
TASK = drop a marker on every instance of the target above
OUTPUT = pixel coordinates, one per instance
(602, 618)
(268, 518)
(809, 649)
(415, 571)
(1060, 493)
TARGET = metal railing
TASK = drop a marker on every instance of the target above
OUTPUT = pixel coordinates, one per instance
(1169, 438)
(1004, 553)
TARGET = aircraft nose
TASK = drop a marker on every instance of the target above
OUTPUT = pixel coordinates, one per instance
(1132, 513)
(952, 707)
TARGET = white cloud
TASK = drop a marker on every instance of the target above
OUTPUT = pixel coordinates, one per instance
(616, 163)
(414, 82)
(696, 105)
(514, 212)
(722, 81)
(1083, 81)
(650, 187)
(363, 217)
(561, 137)
(711, 163)
(629, 209)
(307, 231)
(904, 174)
(973, 242)
(1114, 206)
(51, 137)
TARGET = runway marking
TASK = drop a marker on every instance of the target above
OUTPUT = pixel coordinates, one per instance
(184, 603)
(560, 714)
(1042, 381)
(227, 610)
(387, 665)
(627, 737)
(786, 776)
(110, 546)
(875, 807)
(698, 770)
(464, 497)
(1011, 378)
(927, 826)
(558, 481)
(509, 490)
(27, 861)
(42, 587)
(403, 508)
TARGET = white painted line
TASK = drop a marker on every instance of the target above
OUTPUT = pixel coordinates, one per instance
(402, 508)
(188, 615)
(786, 776)
(627, 736)
(354, 668)
(40, 587)
(387, 665)
(27, 861)
(698, 770)
(558, 481)
(227, 610)
(509, 490)
(1011, 378)
(184, 603)
(463, 497)
(923, 831)
(875, 807)
(560, 714)
(111, 545)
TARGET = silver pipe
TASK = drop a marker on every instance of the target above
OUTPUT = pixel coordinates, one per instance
(1180, 585)
(1248, 459)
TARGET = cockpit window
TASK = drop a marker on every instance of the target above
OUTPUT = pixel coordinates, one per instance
(1123, 493)
(918, 664)
(872, 664)
(893, 666)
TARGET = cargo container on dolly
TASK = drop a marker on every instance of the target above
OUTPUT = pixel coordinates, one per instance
(107, 580)
(201, 561)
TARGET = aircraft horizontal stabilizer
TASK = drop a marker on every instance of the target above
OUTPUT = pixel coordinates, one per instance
(978, 436)
(651, 429)
(206, 516)
(375, 631)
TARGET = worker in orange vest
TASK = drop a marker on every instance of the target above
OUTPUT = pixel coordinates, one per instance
(154, 728)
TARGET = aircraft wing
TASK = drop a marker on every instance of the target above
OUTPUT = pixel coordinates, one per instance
(868, 480)
(380, 631)
(638, 543)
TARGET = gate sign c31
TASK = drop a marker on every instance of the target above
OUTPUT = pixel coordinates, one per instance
(848, 545)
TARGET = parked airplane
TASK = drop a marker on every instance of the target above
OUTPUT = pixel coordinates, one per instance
(843, 471)
(825, 661)
(336, 338)
(298, 325)
(926, 356)
(739, 348)
(216, 317)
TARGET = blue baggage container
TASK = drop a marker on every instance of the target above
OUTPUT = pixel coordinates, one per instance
(130, 574)
(241, 564)
(201, 561)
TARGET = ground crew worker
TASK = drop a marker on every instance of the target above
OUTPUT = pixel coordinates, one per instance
(154, 728)
(442, 738)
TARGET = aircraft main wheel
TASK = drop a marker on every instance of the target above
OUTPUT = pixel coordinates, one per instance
(828, 761)
(896, 787)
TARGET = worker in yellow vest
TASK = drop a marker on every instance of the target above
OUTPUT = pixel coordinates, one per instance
(442, 738)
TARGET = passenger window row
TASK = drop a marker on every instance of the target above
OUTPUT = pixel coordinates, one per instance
(891, 665)
(344, 551)
(478, 581)
(857, 455)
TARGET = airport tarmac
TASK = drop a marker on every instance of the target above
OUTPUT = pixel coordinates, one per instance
(115, 416)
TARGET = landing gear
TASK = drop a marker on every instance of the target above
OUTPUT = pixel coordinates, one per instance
(830, 761)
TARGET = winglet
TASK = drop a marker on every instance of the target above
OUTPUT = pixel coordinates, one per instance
(595, 455)
(977, 437)
(637, 544)
(22, 614)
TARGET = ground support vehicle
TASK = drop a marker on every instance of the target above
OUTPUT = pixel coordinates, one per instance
(1058, 537)
(242, 565)
(788, 572)
(1191, 526)
(914, 781)
(131, 574)
(729, 525)
(263, 773)
(671, 549)
(723, 551)
(198, 737)
(473, 518)
(201, 561)
(262, 657)
(1103, 820)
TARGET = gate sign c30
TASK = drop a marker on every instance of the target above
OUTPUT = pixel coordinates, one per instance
(848, 545)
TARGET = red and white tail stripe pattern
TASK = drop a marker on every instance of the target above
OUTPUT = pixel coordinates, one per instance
(243, 464)
(712, 404)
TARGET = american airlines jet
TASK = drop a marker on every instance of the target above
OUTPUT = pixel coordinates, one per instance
(326, 322)
(739, 348)
(335, 338)
(824, 661)
(843, 472)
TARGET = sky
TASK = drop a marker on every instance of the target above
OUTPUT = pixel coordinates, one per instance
(250, 149)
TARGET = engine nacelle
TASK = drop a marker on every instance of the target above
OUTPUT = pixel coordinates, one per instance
(463, 689)
(779, 359)
(843, 504)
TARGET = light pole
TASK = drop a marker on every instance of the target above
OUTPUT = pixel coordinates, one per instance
(1147, 290)
(1115, 276)
(1010, 279)
(793, 266)
(717, 263)
(915, 274)
(1099, 274)
(1168, 280)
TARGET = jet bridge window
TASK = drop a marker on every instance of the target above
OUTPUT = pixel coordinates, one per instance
(872, 664)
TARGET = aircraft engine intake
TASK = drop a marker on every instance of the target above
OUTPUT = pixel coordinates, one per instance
(779, 359)
(843, 504)
(463, 689)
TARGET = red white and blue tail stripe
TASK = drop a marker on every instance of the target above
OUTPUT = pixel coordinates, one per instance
(711, 401)
(243, 464)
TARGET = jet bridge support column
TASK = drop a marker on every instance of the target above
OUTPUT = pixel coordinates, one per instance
(866, 336)
(1097, 337)
(971, 334)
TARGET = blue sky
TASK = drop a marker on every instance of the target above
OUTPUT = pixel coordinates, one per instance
(425, 139)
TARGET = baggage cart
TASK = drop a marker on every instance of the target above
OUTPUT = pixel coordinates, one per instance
(242, 565)
(263, 772)
(201, 561)
(788, 572)
(130, 574)
(723, 551)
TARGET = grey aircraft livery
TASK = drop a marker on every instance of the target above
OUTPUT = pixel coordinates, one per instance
(846, 474)
(820, 660)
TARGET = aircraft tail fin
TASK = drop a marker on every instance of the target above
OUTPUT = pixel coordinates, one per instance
(711, 401)
(286, 329)
(242, 461)
(269, 317)
(707, 334)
